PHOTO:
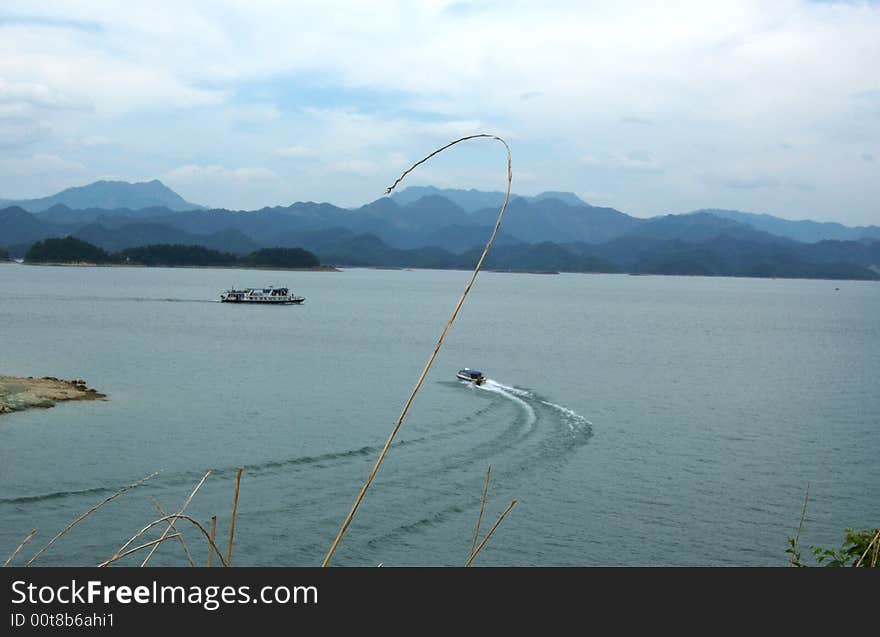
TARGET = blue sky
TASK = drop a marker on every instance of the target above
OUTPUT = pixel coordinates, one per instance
(648, 107)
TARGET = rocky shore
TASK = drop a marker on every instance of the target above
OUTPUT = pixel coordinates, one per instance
(19, 393)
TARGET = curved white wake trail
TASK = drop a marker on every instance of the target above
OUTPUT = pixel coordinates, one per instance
(573, 419)
(511, 393)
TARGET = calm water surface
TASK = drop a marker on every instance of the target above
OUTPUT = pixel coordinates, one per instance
(638, 420)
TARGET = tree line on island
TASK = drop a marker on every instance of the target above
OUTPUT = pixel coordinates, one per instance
(73, 250)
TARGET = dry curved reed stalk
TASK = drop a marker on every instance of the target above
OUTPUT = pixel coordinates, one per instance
(874, 540)
(234, 513)
(482, 508)
(347, 522)
(180, 539)
(155, 542)
(489, 534)
(166, 518)
(213, 537)
(182, 509)
(793, 560)
(89, 512)
(20, 546)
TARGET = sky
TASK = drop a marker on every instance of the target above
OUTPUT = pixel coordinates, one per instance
(651, 108)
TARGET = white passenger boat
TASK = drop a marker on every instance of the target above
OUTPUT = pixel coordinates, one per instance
(266, 296)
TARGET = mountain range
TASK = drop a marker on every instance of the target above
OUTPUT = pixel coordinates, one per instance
(109, 195)
(446, 228)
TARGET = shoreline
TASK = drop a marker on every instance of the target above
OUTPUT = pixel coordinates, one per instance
(18, 393)
(82, 264)
(342, 268)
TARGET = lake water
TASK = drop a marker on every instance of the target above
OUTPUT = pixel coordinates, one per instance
(637, 420)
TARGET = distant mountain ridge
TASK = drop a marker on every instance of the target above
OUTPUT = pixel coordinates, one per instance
(550, 231)
(109, 195)
(473, 200)
(804, 230)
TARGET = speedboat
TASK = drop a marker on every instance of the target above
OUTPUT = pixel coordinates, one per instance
(471, 376)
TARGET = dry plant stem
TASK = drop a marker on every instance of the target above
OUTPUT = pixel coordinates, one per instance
(213, 537)
(166, 518)
(874, 540)
(491, 531)
(482, 508)
(234, 513)
(797, 538)
(171, 524)
(180, 539)
(155, 542)
(89, 512)
(449, 323)
(20, 546)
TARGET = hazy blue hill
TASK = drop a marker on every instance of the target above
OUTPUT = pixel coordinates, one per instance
(473, 200)
(864, 253)
(427, 215)
(111, 195)
(699, 226)
(806, 231)
(142, 234)
(552, 220)
(731, 256)
(19, 226)
(467, 200)
(543, 232)
(546, 256)
(568, 198)
(62, 216)
(459, 239)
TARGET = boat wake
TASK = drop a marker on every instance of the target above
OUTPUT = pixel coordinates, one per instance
(513, 394)
(524, 398)
(429, 493)
(538, 436)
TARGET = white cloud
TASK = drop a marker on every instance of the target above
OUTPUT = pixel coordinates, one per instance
(216, 185)
(655, 91)
(38, 174)
(635, 162)
(93, 141)
(215, 173)
(297, 151)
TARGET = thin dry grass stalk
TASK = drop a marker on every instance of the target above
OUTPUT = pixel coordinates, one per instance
(155, 542)
(20, 546)
(797, 538)
(489, 534)
(482, 508)
(875, 541)
(347, 522)
(166, 518)
(213, 537)
(171, 524)
(234, 513)
(89, 512)
(162, 511)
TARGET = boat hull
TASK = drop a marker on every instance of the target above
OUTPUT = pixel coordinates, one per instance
(295, 301)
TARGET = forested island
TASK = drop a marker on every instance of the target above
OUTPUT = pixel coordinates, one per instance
(70, 250)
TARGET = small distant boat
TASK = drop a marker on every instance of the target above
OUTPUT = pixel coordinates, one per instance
(266, 296)
(471, 376)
